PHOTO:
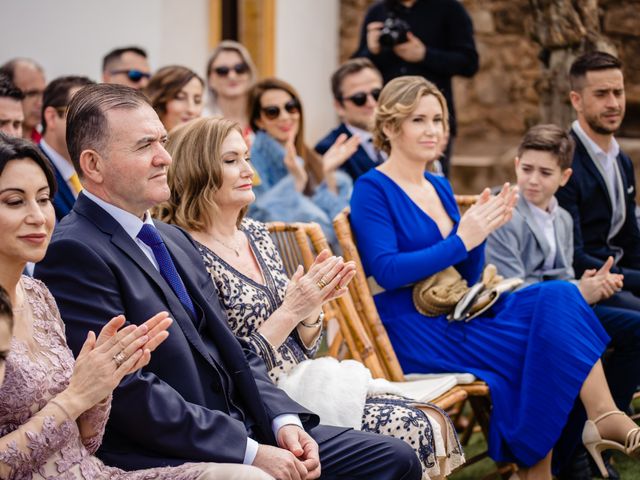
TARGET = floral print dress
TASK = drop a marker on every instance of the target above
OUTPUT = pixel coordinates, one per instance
(37, 439)
(248, 304)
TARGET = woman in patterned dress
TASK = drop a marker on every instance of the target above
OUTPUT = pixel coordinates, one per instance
(53, 410)
(210, 181)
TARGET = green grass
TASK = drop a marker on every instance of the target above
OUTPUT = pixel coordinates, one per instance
(629, 468)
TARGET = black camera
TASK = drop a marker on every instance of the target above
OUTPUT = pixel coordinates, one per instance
(394, 31)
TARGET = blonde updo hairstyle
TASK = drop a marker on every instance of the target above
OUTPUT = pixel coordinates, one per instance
(398, 99)
(195, 174)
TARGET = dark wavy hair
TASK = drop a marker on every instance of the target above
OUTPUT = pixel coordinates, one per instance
(6, 310)
(14, 148)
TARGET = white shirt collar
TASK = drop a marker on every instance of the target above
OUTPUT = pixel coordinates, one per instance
(544, 215)
(364, 134)
(62, 164)
(614, 147)
(128, 221)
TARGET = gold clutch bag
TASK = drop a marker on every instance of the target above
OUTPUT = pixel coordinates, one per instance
(447, 293)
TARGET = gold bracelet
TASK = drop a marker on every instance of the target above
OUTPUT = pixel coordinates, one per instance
(315, 324)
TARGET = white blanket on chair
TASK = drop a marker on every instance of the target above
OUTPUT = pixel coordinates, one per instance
(337, 391)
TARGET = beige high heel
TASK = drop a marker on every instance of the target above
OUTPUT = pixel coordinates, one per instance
(595, 444)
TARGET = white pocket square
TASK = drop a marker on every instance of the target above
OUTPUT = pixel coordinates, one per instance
(630, 189)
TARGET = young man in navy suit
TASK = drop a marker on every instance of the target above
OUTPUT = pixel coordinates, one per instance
(356, 85)
(600, 195)
(203, 397)
(53, 144)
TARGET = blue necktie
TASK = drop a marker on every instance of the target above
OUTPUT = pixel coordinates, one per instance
(150, 236)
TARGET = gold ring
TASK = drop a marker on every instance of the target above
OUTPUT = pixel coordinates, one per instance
(321, 283)
(119, 358)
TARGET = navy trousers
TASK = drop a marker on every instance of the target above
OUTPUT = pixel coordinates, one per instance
(365, 455)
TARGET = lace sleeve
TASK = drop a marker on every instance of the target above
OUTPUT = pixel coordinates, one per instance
(29, 446)
(91, 424)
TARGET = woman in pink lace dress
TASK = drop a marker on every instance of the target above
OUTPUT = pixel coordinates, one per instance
(53, 410)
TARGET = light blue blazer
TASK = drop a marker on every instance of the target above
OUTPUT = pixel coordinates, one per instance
(519, 248)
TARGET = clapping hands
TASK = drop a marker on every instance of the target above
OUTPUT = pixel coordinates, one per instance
(596, 285)
(488, 214)
(105, 360)
(327, 279)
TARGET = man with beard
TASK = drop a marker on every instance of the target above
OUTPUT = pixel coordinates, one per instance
(600, 195)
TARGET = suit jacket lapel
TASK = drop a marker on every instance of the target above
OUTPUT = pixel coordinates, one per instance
(207, 297)
(589, 164)
(531, 222)
(107, 224)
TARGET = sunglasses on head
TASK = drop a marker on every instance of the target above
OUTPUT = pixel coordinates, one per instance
(239, 68)
(360, 98)
(272, 111)
(134, 75)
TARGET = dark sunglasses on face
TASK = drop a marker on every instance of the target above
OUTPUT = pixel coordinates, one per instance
(134, 75)
(360, 98)
(239, 68)
(272, 111)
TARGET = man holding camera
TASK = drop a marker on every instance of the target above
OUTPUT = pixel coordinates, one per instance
(432, 38)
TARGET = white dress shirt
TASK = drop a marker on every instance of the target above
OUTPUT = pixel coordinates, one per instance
(607, 165)
(132, 225)
(366, 142)
(545, 219)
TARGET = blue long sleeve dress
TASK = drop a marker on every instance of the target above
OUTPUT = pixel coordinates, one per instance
(534, 348)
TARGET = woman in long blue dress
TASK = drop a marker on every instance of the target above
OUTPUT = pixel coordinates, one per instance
(538, 349)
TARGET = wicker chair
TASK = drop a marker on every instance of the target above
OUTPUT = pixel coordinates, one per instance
(298, 244)
(478, 391)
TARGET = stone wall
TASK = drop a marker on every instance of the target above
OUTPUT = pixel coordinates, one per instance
(503, 99)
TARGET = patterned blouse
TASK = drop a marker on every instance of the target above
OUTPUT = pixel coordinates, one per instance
(249, 304)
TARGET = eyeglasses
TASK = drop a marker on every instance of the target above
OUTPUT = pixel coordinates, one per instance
(134, 75)
(273, 111)
(360, 98)
(239, 68)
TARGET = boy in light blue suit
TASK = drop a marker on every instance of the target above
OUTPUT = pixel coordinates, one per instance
(537, 245)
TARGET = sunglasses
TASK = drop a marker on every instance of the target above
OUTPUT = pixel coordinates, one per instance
(272, 111)
(360, 98)
(239, 68)
(134, 75)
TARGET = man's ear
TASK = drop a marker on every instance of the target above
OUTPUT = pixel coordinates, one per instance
(92, 165)
(50, 115)
(516, 162)
(566, 175)
(576, 100)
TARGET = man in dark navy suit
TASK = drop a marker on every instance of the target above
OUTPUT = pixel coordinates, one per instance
(53, 144)
(202, 397)
(600, 196)
(356, 85)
